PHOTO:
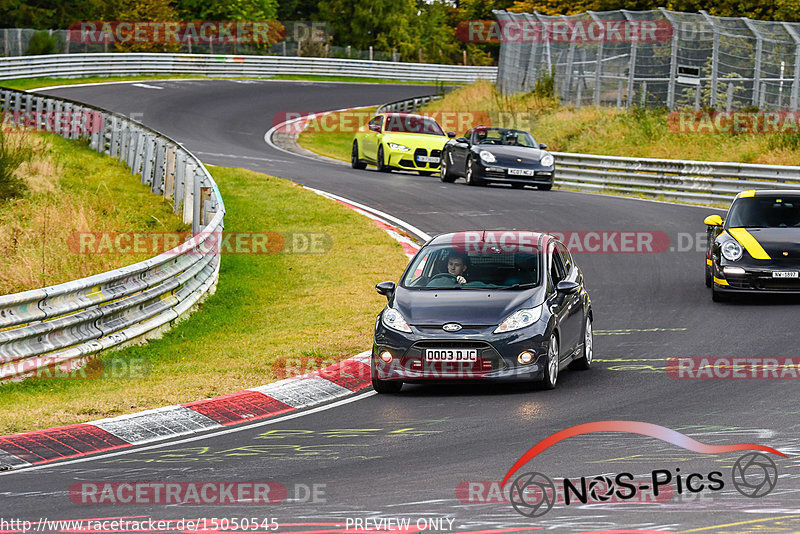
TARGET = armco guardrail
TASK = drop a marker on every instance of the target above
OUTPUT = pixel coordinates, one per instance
(118, 64)
(410, 104)
(705, 182)
(64, 325)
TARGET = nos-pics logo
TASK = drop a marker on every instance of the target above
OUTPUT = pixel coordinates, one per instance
(533, 494)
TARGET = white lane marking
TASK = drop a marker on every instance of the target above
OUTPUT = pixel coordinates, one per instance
(234, 156)
(268, 136)
(391, 218)
(193, 438)
(146, 86)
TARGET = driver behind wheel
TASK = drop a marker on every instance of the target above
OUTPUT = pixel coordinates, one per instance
(457, 266)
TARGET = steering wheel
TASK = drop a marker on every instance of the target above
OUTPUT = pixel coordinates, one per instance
(442, 275)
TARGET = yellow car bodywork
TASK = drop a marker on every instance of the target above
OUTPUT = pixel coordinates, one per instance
(414, 151)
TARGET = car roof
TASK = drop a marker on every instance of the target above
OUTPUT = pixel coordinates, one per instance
(446, 239)
(767, 192)
(403, 114)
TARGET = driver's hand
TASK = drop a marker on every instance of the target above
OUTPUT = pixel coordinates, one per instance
(461, 280)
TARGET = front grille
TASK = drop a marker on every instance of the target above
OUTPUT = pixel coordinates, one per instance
(495, 174)
(788, 284)
(420, 152)
(406, 163)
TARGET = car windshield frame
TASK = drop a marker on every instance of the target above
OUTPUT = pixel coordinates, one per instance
(432, 260)
(397, 123)
(503, 137)
(764, 211)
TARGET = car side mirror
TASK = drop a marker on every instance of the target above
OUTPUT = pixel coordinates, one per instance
(462, 140)
(386, 288)
(375, 128)
(713, 220)
(451, 134)
(567, 287)
(542, 146)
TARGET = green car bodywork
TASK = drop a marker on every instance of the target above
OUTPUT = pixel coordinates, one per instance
(405, 141)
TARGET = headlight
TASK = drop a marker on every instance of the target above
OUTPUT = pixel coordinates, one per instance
(487, 156)
(399, 148)
(546, 160)
(731, 250)
(520, 319)
(392, 319)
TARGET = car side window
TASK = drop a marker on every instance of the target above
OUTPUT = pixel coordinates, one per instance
(566, 259)
(557, 272)
(375, 122)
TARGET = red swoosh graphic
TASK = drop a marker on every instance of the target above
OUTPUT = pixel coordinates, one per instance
(633, 427)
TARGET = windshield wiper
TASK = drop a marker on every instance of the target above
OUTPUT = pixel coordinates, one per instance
(522, 286)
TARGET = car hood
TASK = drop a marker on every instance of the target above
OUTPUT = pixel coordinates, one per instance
(510, 155)
(774, 241)
(416, 140)
(468, 307)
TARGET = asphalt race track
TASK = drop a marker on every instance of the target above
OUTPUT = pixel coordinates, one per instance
(406, 456)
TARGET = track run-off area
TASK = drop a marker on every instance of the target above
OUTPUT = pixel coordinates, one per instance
(435, 455)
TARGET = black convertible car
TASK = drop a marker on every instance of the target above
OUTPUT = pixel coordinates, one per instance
(756, 249)
(483, 306)
(501, 155)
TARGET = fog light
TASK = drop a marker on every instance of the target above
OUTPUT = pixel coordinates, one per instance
(733, 270)
(525, 357)
(386, 356)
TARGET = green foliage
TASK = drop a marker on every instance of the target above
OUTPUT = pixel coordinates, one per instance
(41, 43)
(13, 153)
(545, 84)
(784, 142)
(244, 10)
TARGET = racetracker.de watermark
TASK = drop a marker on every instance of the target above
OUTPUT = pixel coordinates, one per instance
(583, 241)
(735, 122)
(194, 493)
(733, 368)
(48, 367)
(209, 243)
(176, 32)
(80, 122)
(564, 31)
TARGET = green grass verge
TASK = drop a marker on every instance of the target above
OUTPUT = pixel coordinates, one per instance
(273, 315)
(336, 145)
(72, 189)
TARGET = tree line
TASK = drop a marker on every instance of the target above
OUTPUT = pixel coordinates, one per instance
(412, 29)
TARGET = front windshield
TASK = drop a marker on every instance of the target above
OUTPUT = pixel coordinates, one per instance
(503, 136)
(412, 124)
(446, 267)
(774, 211)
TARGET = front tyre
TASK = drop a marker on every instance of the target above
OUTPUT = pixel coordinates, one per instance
(717, 296)
(584, 363)
(386, 386)
(470, 175)
(382, 167)
(354, 161)
(551, 365)
(444, 172)
(709, 276)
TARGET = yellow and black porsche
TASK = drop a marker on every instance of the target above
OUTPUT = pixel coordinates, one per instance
(756, 249)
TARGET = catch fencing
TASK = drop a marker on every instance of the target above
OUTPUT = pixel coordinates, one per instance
(65, 325)
(699, 62)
